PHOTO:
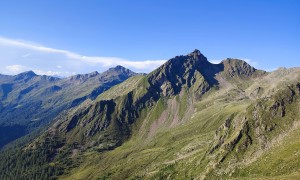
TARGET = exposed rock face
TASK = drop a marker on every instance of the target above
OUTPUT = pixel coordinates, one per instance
(237, 67)
(184, 71)
(245, 138)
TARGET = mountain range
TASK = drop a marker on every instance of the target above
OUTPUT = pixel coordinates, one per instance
(188, 119)
(29, 101)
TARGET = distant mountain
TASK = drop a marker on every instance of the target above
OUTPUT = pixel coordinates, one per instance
(29, 101)
(188, 119)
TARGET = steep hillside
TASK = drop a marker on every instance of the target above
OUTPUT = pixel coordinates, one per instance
(229, 135)
(188, 119)
(29, 101)
(244, 144)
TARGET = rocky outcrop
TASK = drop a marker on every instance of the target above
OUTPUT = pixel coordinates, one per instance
(243, 138)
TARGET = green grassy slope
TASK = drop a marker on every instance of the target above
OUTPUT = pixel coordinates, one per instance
(193, 150)
(174, 153)
(185, 151)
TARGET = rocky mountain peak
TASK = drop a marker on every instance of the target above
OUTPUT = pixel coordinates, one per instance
(184, 71)
(196, 54)
(119, 67)
(25, 75)
(28, 73)
(237, 67)
(120, 70)
(93, 74)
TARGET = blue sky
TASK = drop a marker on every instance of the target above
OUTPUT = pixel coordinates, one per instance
(62, 37)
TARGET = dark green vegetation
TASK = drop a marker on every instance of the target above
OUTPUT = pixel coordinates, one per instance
(29, 101)
(188, 119)
(36, 164)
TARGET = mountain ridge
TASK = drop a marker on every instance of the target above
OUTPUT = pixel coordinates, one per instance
(34, 100)
(182, 74)
(188, 119)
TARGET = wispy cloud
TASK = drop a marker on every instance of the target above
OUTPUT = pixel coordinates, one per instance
(215, 61)
(17, 54)
(15, 69)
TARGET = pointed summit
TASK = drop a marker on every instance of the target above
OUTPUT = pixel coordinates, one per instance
(28, 73)
(196, 53)
(120, 70)
(25, 75)
(93, 74)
